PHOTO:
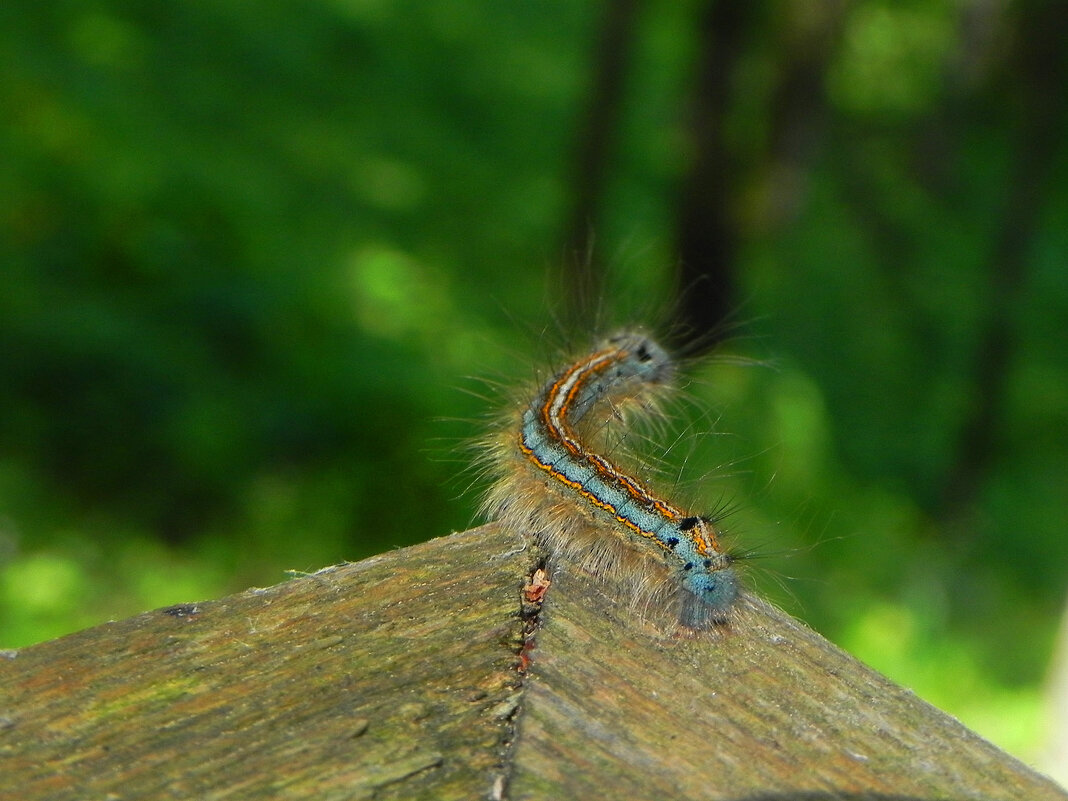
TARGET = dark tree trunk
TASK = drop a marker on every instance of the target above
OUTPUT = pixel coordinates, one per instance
(707, 238)
(594, 152)
(1040, 67)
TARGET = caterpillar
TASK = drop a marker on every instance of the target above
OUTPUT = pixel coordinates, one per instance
(561, 476)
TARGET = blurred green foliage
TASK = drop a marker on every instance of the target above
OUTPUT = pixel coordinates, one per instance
(252, 255)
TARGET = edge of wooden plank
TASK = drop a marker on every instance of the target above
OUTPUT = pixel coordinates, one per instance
(418, 674)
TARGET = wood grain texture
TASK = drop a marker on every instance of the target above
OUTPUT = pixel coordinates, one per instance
(393, 678)
(768, 709)
(399, 678)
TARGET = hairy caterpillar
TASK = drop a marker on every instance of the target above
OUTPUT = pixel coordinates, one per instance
(558, 477)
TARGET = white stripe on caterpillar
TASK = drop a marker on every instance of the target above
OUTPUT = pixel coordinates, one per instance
(553, 482)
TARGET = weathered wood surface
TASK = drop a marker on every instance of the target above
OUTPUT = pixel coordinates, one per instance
(392, 678)
(400, 678)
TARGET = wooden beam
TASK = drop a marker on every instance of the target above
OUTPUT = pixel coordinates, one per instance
(416, 674)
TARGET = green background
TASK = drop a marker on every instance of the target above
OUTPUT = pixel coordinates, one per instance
(253, 258)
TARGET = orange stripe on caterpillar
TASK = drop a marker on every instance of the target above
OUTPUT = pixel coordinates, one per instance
(583, 506)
